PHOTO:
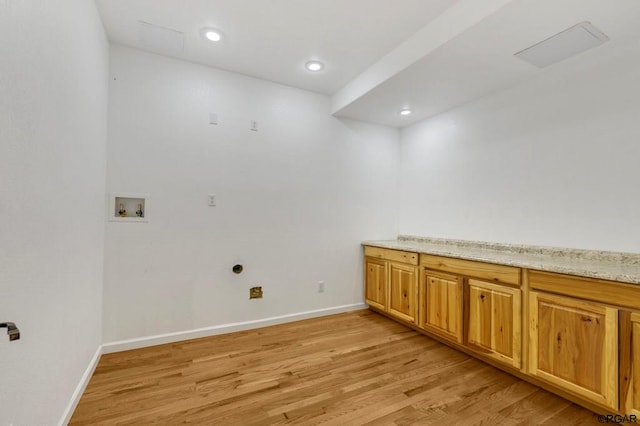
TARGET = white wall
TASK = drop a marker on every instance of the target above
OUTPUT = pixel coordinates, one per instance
(294, 199)
(53, 114)
(551, 162)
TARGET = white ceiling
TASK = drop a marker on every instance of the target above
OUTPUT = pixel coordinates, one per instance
(480, 59)
(380, 55)
(273, 39)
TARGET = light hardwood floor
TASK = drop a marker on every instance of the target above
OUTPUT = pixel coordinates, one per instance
(348, 369)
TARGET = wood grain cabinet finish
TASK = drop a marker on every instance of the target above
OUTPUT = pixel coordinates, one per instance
(494, 321)
(574, 345)
(403, 286)
(577, 336)
(392, 255)
(441, 304)
(630, 362)
(391, 282)
(469, 268)
(375, 282)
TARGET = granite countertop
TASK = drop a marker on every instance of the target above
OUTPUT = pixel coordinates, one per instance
(606, 265)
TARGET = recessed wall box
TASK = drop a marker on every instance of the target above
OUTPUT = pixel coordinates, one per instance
(255, 293)
(126, 207)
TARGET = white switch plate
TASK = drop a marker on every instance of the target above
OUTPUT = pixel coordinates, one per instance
(213, 118)
(254, 126)
(212, 200)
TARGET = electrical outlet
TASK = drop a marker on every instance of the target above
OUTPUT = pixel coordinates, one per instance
(212, 200)
(255, 293)
(320, 286)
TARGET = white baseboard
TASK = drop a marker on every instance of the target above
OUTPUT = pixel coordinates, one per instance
(125, 345)
(77, 394)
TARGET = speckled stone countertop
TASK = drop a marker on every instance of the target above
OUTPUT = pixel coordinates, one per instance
(606, 265)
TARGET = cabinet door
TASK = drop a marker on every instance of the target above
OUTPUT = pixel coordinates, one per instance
(441, 302)
(376, 283)
(403, 291)
(574, 345)
(494, 326)
(630, 363)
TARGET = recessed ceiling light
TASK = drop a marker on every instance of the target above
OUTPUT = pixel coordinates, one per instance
(314, 66)
(405, 111)
(211, 34)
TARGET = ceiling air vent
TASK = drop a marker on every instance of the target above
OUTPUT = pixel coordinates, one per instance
(160, 39)
(561, 46)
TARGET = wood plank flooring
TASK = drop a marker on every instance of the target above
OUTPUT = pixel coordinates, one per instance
(348, 369)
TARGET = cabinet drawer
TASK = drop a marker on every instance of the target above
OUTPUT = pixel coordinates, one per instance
(393, 255)
(613, 293)
(470, 268)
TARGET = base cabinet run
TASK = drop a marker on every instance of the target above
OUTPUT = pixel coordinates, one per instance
(576, 336)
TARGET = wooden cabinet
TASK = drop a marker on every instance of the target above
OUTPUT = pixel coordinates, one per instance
(630, 362)
(578, 334)
(493, 323)
(441, 304)
(487, 272)
(574, 345)
(391, 282)
(376, 282)
(403, 288)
